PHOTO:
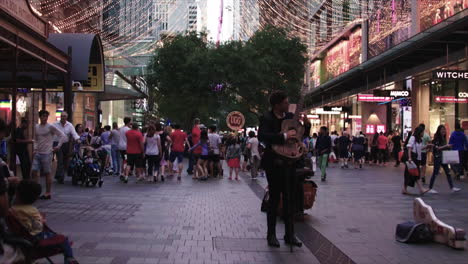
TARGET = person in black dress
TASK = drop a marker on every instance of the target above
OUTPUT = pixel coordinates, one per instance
(278, 171)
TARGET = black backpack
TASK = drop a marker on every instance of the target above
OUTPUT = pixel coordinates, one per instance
(410, 232)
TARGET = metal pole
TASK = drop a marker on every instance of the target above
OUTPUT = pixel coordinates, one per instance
(44, 85)
(13, 110)
(67, 88)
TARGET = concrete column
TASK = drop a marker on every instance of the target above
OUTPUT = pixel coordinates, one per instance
(364, 40)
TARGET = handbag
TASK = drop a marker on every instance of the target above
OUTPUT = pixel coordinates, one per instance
(450, 157)
(412, 169)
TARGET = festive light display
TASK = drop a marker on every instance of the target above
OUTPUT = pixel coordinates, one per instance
(315, 22)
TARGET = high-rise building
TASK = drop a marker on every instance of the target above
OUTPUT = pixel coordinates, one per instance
(248, 20)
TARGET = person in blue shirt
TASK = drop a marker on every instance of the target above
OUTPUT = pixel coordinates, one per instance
(459, 142)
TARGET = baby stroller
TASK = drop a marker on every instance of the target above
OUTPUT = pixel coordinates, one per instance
(87, 170)
(76, 169)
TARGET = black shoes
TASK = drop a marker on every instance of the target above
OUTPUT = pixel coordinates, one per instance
(293, 241)
(273, 241)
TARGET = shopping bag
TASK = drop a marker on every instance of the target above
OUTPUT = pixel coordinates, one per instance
(400, 155)
(450, 157)
(332, 158)
(314, 163)
(412, 169)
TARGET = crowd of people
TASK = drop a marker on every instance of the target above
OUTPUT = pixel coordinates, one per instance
(377, 150)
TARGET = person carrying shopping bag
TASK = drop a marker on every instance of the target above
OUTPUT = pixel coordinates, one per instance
(414, 157)
(440, 144)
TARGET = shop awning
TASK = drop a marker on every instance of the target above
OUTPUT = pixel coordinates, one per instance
(114, 93)
(87, 63)
(443, 43)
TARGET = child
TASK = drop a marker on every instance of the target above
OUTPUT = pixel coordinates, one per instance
(233, 157)
(27, 193)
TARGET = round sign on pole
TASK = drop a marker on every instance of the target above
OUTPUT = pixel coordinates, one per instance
(235, 120)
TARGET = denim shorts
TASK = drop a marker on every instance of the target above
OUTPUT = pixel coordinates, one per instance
(177, 155)
(42, 163)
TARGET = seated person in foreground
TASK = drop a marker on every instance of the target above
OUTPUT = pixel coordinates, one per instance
(29, 216)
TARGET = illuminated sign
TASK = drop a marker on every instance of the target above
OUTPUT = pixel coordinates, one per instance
(370, 129)
(372, 98)
(5, 104)
(450, 75)
(344, 54)
(380, 128)
(315, 73)
(463, 95)
(450, 99)
(313, 116)
(392, 93)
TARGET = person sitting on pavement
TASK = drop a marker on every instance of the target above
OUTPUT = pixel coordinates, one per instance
(29, 216)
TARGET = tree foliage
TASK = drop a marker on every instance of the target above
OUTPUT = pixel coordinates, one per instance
(184, 71)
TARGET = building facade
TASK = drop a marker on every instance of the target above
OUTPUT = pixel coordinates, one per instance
(381, 66)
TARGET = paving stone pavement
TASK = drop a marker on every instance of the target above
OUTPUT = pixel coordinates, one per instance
(357, 211)
(217, 221)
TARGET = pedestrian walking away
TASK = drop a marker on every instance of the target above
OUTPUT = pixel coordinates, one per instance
(253, 144)
(382, 148)
(135, 157)
(123, 143)
(323, 148)
(202, 162)
(233, 155)
(396, 142)
(115, 154)
(152, 152)
(357, 147)
(63, 154)
(44, 134)
(343, 144)
(214, 155)
(179, 139)
(459, 142)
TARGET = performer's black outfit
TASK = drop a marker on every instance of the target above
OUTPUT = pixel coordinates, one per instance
(278, 171)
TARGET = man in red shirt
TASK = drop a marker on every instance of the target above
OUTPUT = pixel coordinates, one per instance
(178, 138)
(135, 147)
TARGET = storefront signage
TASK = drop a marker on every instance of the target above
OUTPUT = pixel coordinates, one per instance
(323, 111)
(392, 93)
(21, 10)
(450, 99)
(335, 108)
(235, 120)
(313, 116)
(463, 95)
(372, 98)
(450, 75)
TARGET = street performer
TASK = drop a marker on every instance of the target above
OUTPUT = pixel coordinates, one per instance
(278, 171)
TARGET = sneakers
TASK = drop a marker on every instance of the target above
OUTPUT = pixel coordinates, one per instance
(125, 179)
(433, 191)
(162, 178)
(455, 189)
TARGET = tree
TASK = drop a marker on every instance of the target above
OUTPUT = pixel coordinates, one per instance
(185, 70)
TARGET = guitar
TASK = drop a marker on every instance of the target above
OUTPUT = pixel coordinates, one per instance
(443, 233)
(293, 148)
